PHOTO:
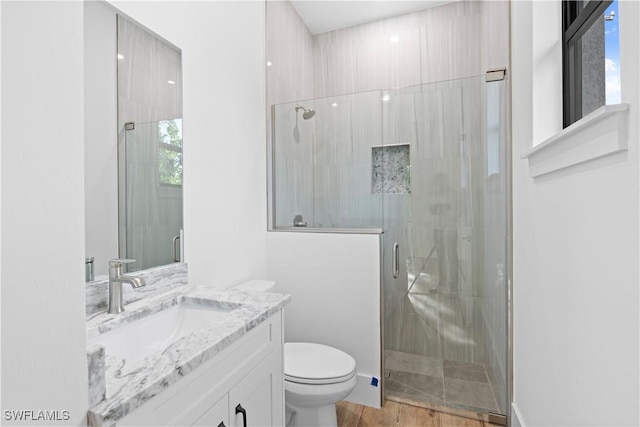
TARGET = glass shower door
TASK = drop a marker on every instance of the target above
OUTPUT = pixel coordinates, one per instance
(445, 298)
(153, 194)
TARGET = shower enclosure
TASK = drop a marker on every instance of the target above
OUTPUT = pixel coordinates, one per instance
(427, 166)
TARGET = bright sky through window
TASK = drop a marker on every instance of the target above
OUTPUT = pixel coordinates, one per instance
(612, 54)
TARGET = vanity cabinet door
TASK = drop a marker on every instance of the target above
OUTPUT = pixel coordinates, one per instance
(256, 399)
(216, 416)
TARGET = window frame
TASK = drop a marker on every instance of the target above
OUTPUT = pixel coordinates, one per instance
(576, 21)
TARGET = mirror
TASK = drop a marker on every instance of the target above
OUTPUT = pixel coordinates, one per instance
(133, 142)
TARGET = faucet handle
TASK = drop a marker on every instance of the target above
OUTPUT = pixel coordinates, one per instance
(120, 261)
(116, 266)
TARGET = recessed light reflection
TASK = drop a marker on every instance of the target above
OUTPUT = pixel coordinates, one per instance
(335, 104)
(171, 82)
(386, 98)
(394, 39)
(269, 63)
(120, 56)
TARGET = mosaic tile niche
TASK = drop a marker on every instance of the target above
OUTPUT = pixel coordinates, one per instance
(391, 169)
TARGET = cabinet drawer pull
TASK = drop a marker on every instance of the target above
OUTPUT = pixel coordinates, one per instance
(241, 410)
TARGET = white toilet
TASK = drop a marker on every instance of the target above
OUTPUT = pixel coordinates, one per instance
(316, 376)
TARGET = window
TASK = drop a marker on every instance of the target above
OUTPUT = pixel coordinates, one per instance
(591, 71)
(170, 152)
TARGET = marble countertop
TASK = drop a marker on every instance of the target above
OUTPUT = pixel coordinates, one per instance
(127, 384)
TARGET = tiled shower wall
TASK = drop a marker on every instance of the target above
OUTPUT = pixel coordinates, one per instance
(451, 41)
(290, 73)
(345, 133)
(447, 42)
(146, 65)
(289, 51)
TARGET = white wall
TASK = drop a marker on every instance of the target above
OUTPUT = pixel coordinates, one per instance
(576, 251)
(43, 320)
(224, 126)
(547, 69)
(334, 281)
(1, 102)
(101, 138)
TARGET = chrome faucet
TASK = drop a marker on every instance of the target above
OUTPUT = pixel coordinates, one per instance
(116, 279)
(298, 221)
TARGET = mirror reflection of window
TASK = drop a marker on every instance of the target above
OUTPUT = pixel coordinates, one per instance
(170, 152)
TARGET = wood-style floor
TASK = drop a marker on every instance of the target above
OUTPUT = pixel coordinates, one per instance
(394, 414)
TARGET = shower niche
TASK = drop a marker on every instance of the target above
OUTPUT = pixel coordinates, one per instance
(391, 169)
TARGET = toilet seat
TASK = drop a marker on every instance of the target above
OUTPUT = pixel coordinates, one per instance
(310, 363)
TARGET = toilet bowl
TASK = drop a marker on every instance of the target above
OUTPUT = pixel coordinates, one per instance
(316, 376)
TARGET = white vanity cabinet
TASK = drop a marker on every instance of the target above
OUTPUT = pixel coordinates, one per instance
(217, 415)
(253, 395)
(246, 376)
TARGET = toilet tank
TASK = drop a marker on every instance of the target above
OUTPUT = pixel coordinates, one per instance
(256, 286)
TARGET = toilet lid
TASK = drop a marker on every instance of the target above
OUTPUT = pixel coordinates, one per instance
(309, 363)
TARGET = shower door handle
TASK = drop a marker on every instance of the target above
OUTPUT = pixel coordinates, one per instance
(395, 260)
(176, 249)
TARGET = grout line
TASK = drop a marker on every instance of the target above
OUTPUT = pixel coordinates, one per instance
(468, 381)
(422, 392)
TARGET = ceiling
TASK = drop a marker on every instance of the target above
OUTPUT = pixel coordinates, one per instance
(327, 15)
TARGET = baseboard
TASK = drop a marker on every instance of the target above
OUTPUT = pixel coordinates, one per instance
(516, 417)
(365, 393)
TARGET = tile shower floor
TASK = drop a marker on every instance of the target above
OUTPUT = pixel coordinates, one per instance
(436, 381)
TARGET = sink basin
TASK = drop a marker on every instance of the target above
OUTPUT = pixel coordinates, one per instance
(155, 332)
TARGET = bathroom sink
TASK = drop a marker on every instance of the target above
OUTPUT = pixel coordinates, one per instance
(153, 333)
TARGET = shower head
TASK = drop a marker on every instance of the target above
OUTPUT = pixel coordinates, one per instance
(308, 113)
